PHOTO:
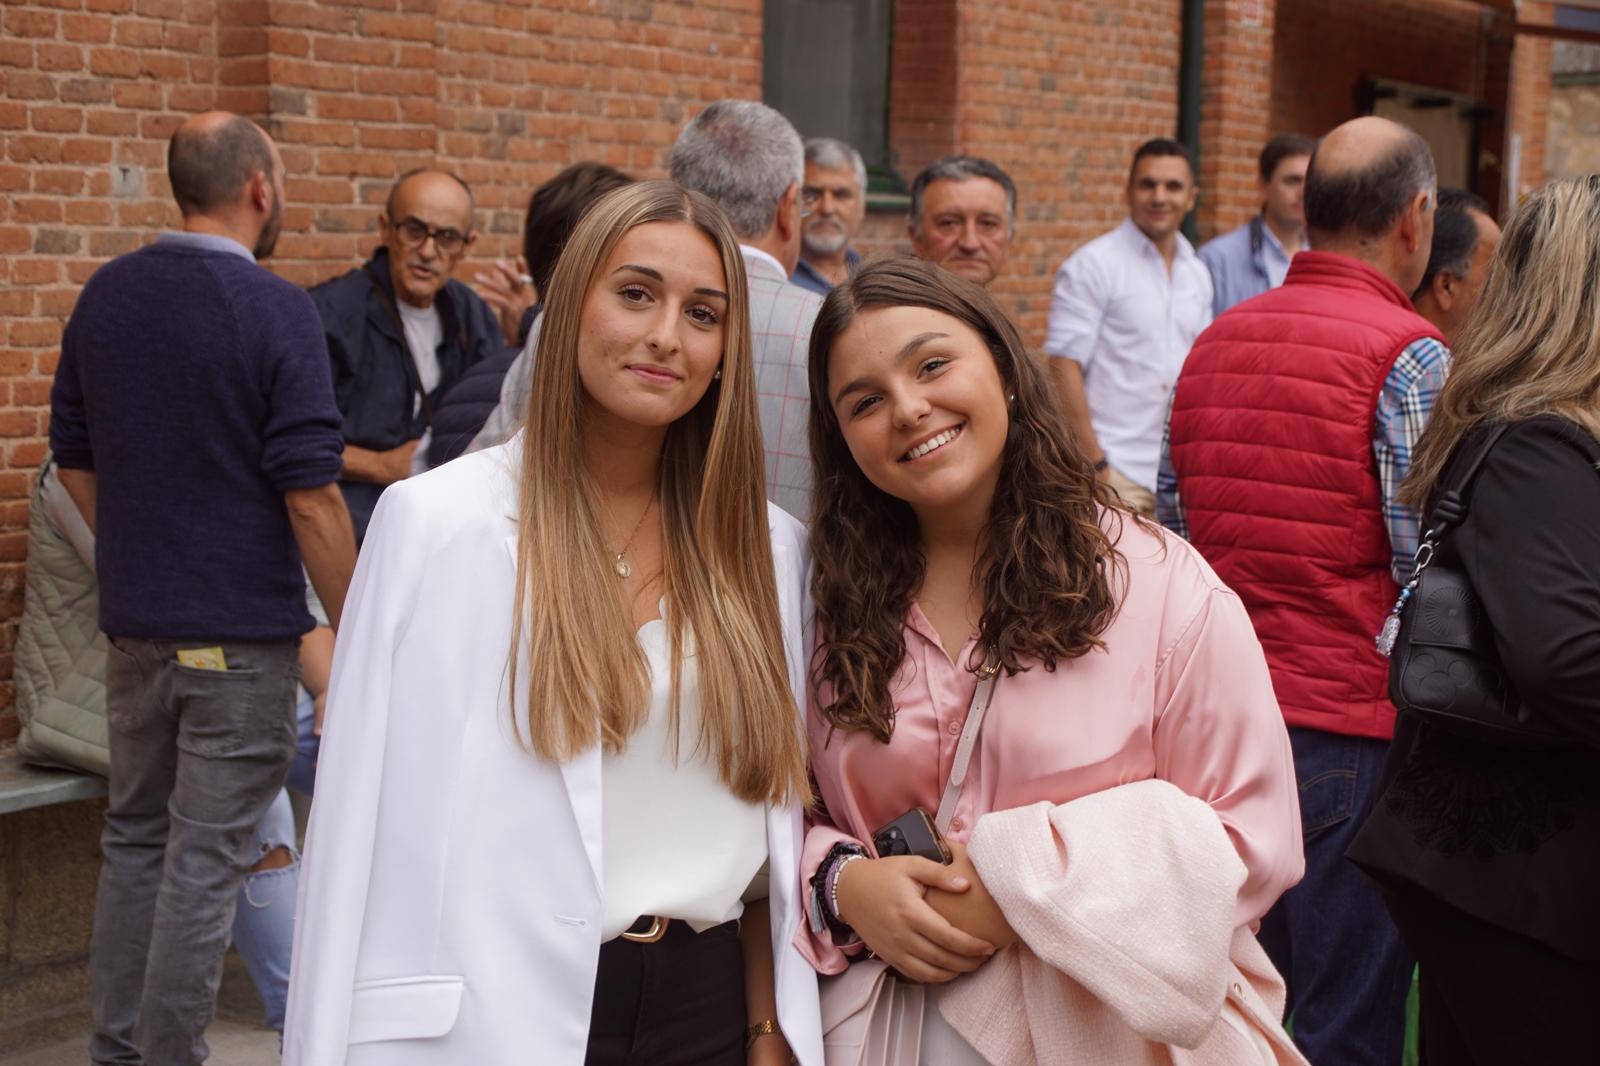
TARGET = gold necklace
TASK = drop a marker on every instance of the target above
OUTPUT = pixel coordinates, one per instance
(620, 564)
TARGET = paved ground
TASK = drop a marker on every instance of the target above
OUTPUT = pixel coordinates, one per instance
(232, 1044)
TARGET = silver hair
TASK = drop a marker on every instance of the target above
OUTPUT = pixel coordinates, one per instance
(742, 154)
(834, 154)
(961, 168)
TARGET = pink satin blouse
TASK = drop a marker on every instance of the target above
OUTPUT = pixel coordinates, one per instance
(1179, 692)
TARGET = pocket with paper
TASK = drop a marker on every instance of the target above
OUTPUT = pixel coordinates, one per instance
(202, 658)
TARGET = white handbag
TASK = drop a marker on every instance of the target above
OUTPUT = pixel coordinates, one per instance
(870, 1017)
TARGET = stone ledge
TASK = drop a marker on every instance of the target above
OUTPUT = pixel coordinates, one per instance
(23, 786)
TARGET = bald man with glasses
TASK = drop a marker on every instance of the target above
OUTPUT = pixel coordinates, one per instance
(400, 332)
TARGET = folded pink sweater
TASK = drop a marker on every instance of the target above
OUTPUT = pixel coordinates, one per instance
(1125, 903)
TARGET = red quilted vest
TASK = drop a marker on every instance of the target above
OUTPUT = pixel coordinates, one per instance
(1272, 425)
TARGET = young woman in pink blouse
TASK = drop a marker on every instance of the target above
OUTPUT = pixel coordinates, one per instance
(1130, 808)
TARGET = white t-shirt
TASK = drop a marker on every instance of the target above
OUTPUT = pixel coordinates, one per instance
(424, 331)
(1130, 325)
(674, 841)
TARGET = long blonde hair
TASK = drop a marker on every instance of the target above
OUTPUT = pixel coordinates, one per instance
(1532, 346)
(588, 680)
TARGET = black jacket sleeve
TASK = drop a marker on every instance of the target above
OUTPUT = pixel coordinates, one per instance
(1531, 544)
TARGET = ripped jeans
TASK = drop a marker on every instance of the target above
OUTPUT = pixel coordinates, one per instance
(263, 921)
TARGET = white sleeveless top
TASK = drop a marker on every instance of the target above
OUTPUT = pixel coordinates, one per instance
(674, 841)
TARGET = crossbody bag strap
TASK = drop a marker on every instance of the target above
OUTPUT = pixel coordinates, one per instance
(1451, 508)
(969, 738)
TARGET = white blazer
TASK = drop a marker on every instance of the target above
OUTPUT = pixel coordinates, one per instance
(450, 907)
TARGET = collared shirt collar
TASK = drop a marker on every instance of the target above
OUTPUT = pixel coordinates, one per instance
(210, 242)
(1272, 239)
(1135, 236)
(764, 257)
(807, 275)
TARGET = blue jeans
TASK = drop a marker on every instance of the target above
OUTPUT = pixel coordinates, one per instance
(263, 920)
(1331, 936)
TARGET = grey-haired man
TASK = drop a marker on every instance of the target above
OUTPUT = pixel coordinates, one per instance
(963, 216)
(836, 194)
(749, 159)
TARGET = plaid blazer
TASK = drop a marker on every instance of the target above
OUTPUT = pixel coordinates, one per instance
(781, 314)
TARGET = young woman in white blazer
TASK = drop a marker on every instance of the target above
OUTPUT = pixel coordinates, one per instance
(562, 742)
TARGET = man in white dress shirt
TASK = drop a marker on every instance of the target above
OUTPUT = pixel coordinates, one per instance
(749, 159)
(1127, 307)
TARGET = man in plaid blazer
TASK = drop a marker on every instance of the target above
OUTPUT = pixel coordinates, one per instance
(749, 159)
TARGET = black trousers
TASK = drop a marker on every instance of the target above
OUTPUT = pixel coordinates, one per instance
(1491, 997)
(677, 1002)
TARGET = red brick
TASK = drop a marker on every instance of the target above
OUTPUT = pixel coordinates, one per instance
(26, 22)
(86, 151)
(33, 271)
(26, 454)
(88, 213)
(59, 58)
(37, 393)
(15, 53)
(32, 148)
(30, 85)
(17, 424)
(106, 123)
(399, 27)
(356, 108)
(32, 333)
(56, 119)
(113, 63)
(146, 95)
(31, 211)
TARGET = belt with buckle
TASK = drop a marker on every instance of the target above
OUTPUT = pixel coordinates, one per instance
(647, 930)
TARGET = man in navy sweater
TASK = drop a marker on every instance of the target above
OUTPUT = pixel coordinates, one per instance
(194, 424)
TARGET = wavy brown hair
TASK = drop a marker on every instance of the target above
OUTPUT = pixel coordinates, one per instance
(1046, 570)
(1532, 345)
(587, 680)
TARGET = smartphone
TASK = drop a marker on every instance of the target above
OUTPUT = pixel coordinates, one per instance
(913, 833)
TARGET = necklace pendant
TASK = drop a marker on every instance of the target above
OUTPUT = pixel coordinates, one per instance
(621, 567)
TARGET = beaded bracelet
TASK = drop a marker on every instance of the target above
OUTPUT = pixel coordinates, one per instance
(833, 883)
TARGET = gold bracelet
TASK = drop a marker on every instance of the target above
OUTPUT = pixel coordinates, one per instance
(761, 1029)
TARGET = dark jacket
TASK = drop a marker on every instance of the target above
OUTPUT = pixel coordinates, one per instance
(465, 408)
(374, 377)
(1511, 835)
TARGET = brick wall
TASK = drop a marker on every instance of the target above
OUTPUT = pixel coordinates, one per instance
(1530, 100)
(1236, 91)
(1060, 95)
(1323, 51)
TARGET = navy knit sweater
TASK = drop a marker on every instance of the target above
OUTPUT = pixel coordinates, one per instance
(195, 385)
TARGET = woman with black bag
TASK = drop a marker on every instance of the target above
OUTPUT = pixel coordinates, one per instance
(1487, 840)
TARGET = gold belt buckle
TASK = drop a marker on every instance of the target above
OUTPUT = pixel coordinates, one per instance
(657, 930)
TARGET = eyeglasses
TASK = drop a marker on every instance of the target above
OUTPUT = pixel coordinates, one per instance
(811, 195)
(414, 233)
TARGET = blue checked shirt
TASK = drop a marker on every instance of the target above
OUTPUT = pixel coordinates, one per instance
(1404, 405)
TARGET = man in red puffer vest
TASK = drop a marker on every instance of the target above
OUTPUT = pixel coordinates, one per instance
(1292, 427)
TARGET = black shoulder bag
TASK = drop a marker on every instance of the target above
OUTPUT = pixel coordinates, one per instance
(1443, 665)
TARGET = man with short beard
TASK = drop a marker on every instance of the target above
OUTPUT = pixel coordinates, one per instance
(835, 191)
(194, 426)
